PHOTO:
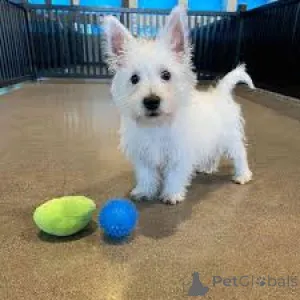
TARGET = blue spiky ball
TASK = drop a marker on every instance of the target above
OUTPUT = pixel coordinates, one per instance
(118, 218)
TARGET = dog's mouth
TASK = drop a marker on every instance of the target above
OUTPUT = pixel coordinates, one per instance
(153, 114)
(154, 117)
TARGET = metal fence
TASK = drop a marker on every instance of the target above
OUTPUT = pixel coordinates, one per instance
(65, 41)
(15, 50)
(270, 46)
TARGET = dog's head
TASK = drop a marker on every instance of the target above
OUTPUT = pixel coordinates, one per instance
(153, 78)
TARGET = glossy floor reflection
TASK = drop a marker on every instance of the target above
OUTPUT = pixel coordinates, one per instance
(61, 139)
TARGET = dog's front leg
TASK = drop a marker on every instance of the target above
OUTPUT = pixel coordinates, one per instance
(147, 182)
(176, 180)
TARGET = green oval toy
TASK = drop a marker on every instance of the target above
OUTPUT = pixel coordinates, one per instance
(64, 216)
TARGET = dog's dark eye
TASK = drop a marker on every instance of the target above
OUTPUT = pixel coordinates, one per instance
(135, 79)
(165, 75)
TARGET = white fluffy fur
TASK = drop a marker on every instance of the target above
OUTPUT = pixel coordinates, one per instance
(193, 130)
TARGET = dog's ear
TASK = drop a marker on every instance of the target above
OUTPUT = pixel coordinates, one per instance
(175, 32)
(116, 37)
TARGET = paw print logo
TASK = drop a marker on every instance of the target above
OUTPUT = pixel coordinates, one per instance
(261, 281)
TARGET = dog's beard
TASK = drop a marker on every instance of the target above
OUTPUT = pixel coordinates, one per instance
(154, 118)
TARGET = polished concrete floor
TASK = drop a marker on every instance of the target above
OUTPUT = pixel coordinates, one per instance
(61, 139)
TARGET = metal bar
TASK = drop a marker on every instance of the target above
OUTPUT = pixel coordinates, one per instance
(129, 22)
(66, 49)
(45, 34)
(105, 71)
(53, 22)
(207, 43)
(98, 41)
(16, 55)
(199, 50)
(93, 20)
(77, 43)
(24, 34)
(138, 24)
(219, 34)
(152, 32)
(1, 64)
(18, 38)
(194, 41)
(7, 42)
(70, 33)
(127, 19)
(37, 32)
(3, 44)
(157, 23)
(295, 23)
(86, 44)
(83, 53)
(240, 20)
(30, 45)
(59, 75)
(59, 40)
(213, 44)
(73, 27)
(113, 10)
(226, 37)
(190, 19)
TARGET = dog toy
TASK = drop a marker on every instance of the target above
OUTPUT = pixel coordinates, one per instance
(118, 218)
(64, 216)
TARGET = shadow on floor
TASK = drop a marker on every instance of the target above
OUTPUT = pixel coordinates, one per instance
(89, 230)
(155, 221)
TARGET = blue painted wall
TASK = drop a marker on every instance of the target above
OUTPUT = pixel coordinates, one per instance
(61, 2)
(103, 3)
(212, 5)
(253, 3)
(157, 4)
(36, 1)
(54, 2)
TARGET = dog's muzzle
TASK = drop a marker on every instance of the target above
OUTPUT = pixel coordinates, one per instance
(152, 104)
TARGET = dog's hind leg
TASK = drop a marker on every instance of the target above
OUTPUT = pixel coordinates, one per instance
(237, 152)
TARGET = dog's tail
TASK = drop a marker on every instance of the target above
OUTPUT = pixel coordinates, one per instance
(230, 80)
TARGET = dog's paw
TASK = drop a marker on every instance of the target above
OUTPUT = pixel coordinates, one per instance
(244, 178)
(139, 195)
(172, 199)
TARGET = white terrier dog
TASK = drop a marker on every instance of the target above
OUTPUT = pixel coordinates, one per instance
(169, 130)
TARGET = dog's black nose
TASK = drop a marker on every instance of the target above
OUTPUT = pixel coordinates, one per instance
(152, 102)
